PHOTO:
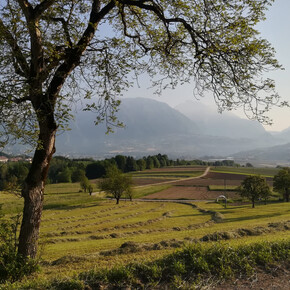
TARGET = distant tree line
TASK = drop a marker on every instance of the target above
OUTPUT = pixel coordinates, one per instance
(63, 170)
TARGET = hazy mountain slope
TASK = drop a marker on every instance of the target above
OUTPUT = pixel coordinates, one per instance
(283, 136)
(279, 153)
(226, 124)
(147, 123)
(153, 127)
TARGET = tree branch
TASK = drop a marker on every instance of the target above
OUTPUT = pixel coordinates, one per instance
(65, 28)
(155, 8)
(73, 55)
(44, 5)
(27, 9)
(22, 67)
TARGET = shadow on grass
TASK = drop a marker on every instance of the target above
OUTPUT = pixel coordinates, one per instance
(63, 206)
(252, 217)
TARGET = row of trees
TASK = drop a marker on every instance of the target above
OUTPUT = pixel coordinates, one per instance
(66, 170)
(125, 164)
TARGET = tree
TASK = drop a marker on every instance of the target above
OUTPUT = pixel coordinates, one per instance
(121, 162)
(131, 164)
(116, 183)
(77, 175)
(90, 189)
(54, 53)
(141, 164)
(95, 170)
(84, 183)
(254, 188)
(130, 193)
(281, 182)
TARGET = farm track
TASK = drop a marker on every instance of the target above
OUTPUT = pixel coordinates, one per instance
(179, 180)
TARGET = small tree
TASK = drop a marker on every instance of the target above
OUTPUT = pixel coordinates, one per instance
(254, 187)
(116, 183)
(90, 189)
(282, 182)
(84, 183)
(130, 193)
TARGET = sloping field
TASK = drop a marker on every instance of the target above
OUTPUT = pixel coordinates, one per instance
(190, 192)
(105, 234)
(147, 181)
(158, 175)
(80, 232)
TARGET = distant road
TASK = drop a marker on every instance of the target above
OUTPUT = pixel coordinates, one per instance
(173, 181)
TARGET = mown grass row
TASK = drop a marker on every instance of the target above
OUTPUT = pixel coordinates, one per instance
(183, 268)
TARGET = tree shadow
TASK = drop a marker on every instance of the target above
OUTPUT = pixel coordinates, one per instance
(252, 217)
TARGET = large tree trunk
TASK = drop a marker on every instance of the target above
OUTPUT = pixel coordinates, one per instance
(33, 191)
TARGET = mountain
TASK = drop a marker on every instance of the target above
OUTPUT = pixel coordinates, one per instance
(283, 136)
(149, 125)
(226, 124)
(279, 154)
(152, 127)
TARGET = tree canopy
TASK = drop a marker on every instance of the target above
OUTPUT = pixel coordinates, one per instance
(116, 183)
(281, 182)
(56, 53)
(254, 188)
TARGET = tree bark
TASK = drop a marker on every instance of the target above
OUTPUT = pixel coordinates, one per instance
(253, 204)
(33, 191)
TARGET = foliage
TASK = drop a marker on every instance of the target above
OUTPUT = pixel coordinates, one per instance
(116, 183)
(281, 182)
(183, 268)
(63, 169)
(12, 175)
(254, 188)
(13, 267)
(85, 184)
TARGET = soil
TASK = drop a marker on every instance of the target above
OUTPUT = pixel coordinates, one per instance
(197, 188)
(189, 192)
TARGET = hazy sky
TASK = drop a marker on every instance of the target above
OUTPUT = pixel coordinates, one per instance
(276, 30)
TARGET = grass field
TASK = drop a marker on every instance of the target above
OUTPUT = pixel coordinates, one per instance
(267, 172)
(81, 232)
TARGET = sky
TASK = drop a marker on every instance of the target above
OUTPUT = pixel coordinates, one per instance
(276, 30)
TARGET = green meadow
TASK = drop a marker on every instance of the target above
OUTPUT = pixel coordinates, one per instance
(80, 232)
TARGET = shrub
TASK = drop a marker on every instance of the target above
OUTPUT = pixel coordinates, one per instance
(13, 267)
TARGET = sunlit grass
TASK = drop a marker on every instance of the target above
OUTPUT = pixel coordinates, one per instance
(149, 189)
(75, 224)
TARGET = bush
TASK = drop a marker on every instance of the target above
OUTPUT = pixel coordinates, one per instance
(13, 267)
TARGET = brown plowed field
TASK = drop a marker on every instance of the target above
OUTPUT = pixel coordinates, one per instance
(190, 192)
(218, 178)
(198, 188)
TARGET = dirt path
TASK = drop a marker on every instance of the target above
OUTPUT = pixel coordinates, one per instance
(173, 181)
(168, 182)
